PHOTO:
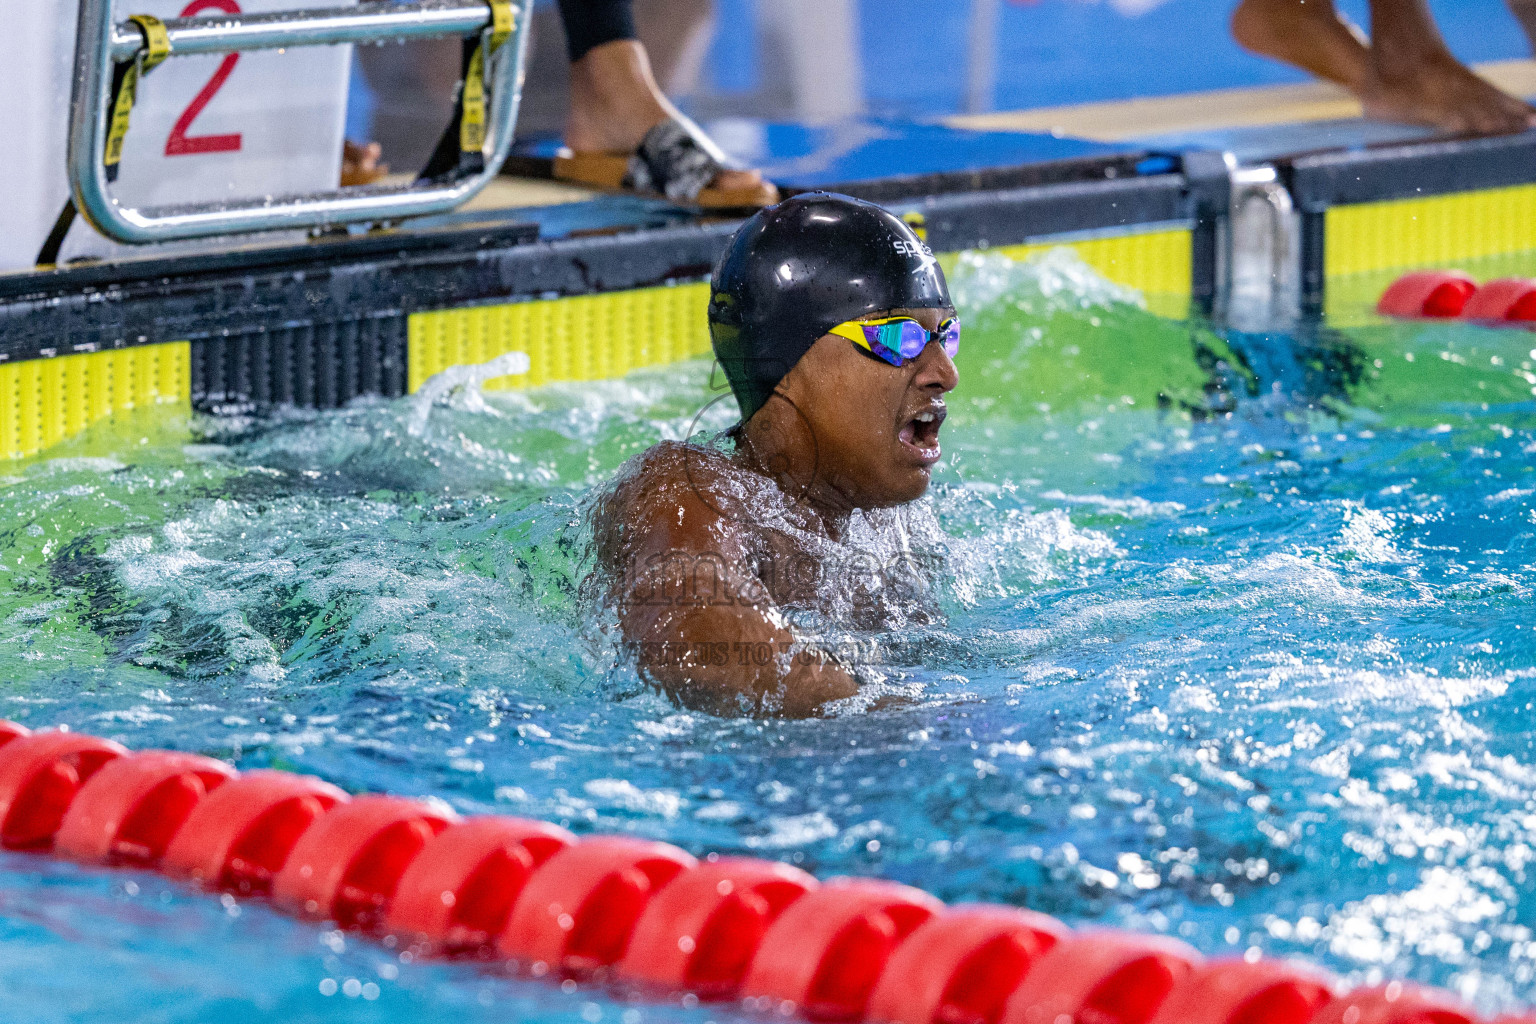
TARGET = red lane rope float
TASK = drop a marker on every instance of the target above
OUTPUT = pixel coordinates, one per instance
(1239, 992)
(640, 913)
(1450, 293)
(239, 838)
(961, 966)
(1101, 977)
(827, 950)
(39, 776)
(1394, 1003)
(346, 866)
(701, 932)
(1427, 293)
(577, 913)
(1506, 299)
(456, 896)
(130, 809)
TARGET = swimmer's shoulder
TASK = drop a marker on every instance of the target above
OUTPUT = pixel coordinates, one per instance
(674, 458)
(680, 488)
(669, 469)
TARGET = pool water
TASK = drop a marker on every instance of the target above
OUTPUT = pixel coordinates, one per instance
(1238, 648)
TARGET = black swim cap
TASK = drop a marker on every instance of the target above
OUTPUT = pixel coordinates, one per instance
(796, 270)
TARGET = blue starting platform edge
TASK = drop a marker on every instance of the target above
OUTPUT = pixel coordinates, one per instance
(818, 156)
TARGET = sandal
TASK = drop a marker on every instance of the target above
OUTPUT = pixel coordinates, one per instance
(360, 164)
(675, 160)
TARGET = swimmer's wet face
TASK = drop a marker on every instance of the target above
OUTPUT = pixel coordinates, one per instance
(842, 416)
(874, 427)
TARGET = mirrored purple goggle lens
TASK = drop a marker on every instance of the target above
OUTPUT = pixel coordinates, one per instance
(914, 337)
(949, 337)
(906, 339)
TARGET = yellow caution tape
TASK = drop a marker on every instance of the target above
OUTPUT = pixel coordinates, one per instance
(472, 99)
(157, 47)
(122, 106)
(157, 40)
(502, 21)
(472, 104)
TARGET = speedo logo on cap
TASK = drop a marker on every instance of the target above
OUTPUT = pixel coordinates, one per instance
(916, 250)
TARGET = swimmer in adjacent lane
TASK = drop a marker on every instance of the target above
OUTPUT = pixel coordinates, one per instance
(834, 326)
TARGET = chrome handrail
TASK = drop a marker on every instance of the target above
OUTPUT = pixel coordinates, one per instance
(364, 23)
(100, 45)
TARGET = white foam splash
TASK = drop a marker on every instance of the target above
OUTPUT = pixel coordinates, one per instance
(785, 831)
(1055, 280)
(461, 386)
(1367, 534)
(1130, 508)
(664, 803)
(82, 464)
(1028, 543)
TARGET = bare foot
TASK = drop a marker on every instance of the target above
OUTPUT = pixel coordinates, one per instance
(360, 164)
(1438, 91)
(1405, 73)
(615, 100)
(1312, 36)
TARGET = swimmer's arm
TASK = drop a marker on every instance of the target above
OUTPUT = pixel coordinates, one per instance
(725, 660)
(704, 627)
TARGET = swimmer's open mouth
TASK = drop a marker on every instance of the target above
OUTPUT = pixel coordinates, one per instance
(920, 432)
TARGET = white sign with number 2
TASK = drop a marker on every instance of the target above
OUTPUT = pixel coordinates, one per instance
(215, 127)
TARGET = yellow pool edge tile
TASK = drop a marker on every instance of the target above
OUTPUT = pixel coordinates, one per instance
(582, 337)
(1155, 262)
(46, 401)
(1429, 232)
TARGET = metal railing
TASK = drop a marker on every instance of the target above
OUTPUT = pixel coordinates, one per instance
(1259, 252)
(101, 45)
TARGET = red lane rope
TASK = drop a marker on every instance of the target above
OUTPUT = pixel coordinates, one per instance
(1446, 294)
(636, 913)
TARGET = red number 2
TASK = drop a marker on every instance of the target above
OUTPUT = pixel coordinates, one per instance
(182, 144)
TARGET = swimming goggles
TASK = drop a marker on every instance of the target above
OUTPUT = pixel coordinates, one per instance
(899, 339)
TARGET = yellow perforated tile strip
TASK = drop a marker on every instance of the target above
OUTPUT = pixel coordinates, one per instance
(1157, 262)
(45, 401)
(1432, 232)
(584, 337)
(595, 337)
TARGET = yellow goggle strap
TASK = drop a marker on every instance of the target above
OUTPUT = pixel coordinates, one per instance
(853, 330)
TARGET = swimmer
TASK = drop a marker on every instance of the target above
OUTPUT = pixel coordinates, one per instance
(834, 327)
